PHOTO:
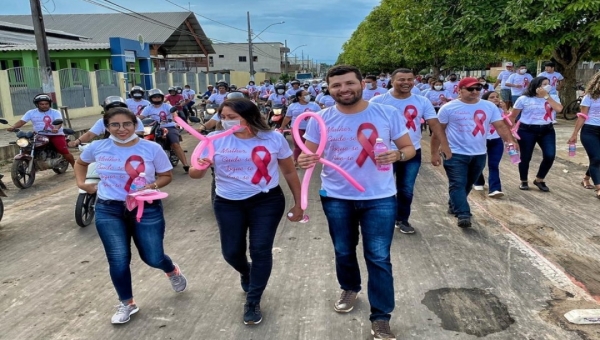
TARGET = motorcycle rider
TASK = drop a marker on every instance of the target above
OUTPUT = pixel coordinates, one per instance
(232, 88)
(278, 97)
(137, 102)
(266, 90)
(188, 94)
(41, 118)
(292, 91)
(322, 93)
(99, 129)
(209, 91)
(176, 99)
(314, 90)
(161, 112)
(219, 97)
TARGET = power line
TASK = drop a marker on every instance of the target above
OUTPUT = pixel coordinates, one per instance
(207, 18)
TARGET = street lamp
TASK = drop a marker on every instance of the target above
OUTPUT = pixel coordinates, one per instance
(250, 43)
(286, 57)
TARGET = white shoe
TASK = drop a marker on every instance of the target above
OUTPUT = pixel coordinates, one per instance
(496, 194)
(478, 187)
(124, 313)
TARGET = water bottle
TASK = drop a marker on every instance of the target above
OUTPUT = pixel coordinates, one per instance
(380, 148)
(138, 183)
(513, 153)
(572, 149)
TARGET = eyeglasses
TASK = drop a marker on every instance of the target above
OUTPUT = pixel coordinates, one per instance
(475, 88)
(125, 125)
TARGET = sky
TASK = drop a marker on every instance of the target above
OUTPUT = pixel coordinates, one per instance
(322, 25)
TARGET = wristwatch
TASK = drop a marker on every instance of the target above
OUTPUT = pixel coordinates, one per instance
(401, 155)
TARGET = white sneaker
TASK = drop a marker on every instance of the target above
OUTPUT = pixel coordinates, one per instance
(496, 194)
(478, 187)
(124, 313)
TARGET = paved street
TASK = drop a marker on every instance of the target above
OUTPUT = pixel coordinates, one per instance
(530, 258)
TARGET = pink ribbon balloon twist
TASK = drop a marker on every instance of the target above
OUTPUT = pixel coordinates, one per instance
(515, 130)
(137, 199)
(320, 149)
(506, 118)
(205, 142)
(582, 115)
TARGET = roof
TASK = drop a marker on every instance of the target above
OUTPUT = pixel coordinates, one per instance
(167, 29)
(57, 46)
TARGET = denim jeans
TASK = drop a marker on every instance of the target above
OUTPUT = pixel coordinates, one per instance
(495, 149)
(376, 218)
(545, 137)
(117, 226)
(462, 172)
(514, 98)
(406, 175)
(590, 138)
(259, 216)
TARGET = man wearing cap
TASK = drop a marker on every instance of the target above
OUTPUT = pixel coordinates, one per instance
(467, 122)
(452, 86)
(554, 77)
(502, 78)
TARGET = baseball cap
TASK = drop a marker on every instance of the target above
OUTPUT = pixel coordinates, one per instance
(467, 82)
(509, 63)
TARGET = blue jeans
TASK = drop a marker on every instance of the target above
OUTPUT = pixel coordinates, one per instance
(406, 175)
(545, 137)
(514, 98)
(117, 226)
(462, 172)
(376, 218)
(495, 149)
(259, 216)
(590, 138)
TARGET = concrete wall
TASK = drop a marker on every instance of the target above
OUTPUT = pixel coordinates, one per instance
(268, 56)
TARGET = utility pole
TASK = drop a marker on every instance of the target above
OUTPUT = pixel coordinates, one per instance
(249, 48)
(286, 58)
(302, 60)
(42, 48)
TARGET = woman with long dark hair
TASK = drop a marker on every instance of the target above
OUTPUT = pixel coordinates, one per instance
(300, 105)
(535, 108)
(589, 124)
(248, 198)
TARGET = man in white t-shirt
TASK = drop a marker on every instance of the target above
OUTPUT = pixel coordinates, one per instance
(411, 108)
(383, 81)
(452, 86)
(353, 127)
(371, 88)
(501, 80)
(467, 122)
(188, 95)
(219, 97)
(266, 90)
(137, 102)
(518, 83)
(555, 78)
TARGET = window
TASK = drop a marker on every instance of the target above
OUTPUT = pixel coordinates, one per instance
(3, 65)
(221, 56)
(255, 58)
(242, 58)
(53, 65)
(73, 65)
(16, 63)
(96, 67)
(210, 61)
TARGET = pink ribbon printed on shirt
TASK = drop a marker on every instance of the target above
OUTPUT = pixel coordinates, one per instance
(366, 143)
(548, 108)
(133, 172)
(410, 113)
(48, 123)
(262, 170)
(479, 118)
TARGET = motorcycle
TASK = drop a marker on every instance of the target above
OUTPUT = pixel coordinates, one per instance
(276, 116)
(153, 132)
(36, 153)
(86, 203)
(2, 194)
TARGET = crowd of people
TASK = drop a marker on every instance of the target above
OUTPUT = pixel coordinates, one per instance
(470, 123)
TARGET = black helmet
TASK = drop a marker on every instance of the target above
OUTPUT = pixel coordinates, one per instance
(279, 87)
(222, 84)
(295, 82)
(112, 102)
(235, 94)
(232, 87)
(136, 92)
(179, 89)
(156, 93)
(42, 97)
(172, 88)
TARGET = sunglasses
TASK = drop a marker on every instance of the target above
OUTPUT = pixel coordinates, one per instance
(474, 88)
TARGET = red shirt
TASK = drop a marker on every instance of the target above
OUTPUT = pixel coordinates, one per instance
(174, 100)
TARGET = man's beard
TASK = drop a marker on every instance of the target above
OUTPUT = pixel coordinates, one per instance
(348, 102)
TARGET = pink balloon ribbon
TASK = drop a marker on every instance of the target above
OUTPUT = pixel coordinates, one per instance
(582, 115)
(515, 130)
(205, 142)
(137, 199)
(320, 149)
(506, 118)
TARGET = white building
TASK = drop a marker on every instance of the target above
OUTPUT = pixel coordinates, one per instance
(268, 57)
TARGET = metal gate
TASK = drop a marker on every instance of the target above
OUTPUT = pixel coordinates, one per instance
(202, 82)
(178, 78)
(190, 79)
(162, 80)
(138, 79)
(75, 88)
(24, 84)
(108, 84)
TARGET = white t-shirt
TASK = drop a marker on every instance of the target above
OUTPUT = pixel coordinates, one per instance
(277, 99)
(246, 167)
(554, 78)
(291, 92)
(98, 128)
(319, 96)
(519, 79)
(251, 89)
(297, 109)
(350, 141)
(594, 111)
(136, 106)
(265, 91)
(188, 94)
(160, 114)
(468, 125)
(437, 98)
(327, 101)
(367, 94)
(383, 83)
(452, 88)
(43, 121)
(411, 110)
(314, 90)
(117, 166)
(492, 133)
(535, 111)
(217, 98)
(415, 90)
(503, 77)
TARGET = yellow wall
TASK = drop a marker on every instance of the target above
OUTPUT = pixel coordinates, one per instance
(241, 79)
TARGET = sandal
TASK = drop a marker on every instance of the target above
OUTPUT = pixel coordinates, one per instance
(588, 185)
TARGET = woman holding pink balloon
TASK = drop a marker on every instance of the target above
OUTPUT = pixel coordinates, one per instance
(300, 105)
(249, 200)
